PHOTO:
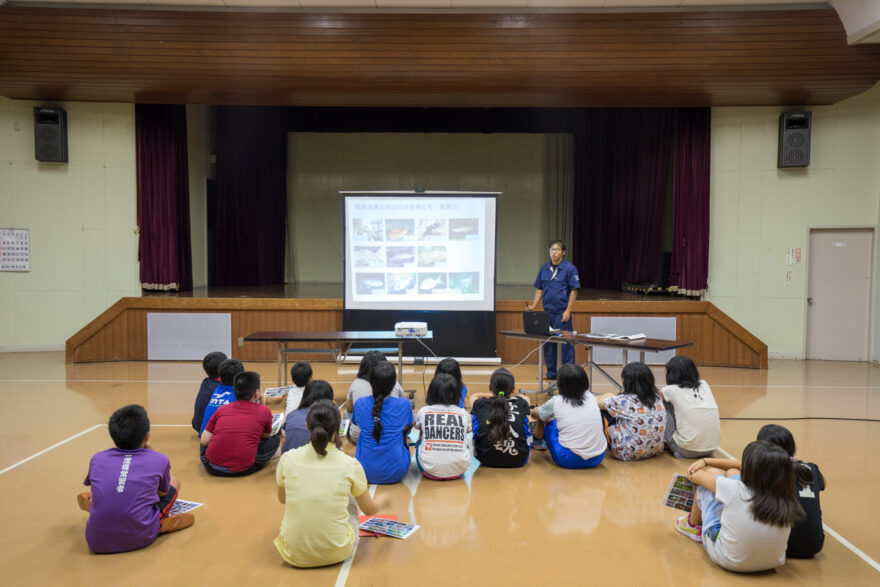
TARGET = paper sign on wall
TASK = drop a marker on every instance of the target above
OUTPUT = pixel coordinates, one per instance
(15, 249)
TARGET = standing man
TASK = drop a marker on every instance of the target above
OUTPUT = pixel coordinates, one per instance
(557, 283)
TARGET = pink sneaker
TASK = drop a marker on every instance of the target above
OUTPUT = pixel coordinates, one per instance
(683, 525)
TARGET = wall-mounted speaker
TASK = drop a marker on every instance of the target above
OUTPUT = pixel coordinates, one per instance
(50, 134)
(794, 139)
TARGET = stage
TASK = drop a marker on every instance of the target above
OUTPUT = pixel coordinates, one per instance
(120, 332)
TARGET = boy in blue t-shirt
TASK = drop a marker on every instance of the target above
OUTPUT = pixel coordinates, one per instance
(224, 393)
(211, 365)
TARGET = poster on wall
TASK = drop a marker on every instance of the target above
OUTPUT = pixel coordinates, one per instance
(15, 249)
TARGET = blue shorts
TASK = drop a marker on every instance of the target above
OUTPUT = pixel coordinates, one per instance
(711, 509)
(564, 457)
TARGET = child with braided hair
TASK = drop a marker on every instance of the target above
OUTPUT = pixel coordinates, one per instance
(384, 422)
(501, 423)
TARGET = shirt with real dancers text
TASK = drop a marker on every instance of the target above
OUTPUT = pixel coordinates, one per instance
(125, 485)
(443, 449)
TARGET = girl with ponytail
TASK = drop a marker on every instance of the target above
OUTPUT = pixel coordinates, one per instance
(384, 422)
(501, 423)
(321, 488)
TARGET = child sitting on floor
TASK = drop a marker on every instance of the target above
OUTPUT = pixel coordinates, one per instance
(693, 428)
(211, 365)
(451, 366)
(635, 416)
(296, 433)
(384, 422)
(570, 423)
(807, 536)
(744, 519)
(318, 484)
(238, 438)
(501, 423)
(223, 393)
(442, 452)
(300, 374)
(133, 489)
(361, 387)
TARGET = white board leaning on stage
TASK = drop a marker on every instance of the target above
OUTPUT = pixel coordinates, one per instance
(187, 337)
(652, 327)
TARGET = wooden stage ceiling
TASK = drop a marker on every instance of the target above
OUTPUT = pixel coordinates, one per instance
(581, 59)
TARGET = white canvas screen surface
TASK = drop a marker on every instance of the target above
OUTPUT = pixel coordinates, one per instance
(420, 251)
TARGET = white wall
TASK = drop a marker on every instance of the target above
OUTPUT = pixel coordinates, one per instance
(758, 211)
(199, 147)
(322, 164)
(82, 221)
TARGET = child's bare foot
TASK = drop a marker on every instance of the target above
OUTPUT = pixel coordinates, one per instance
(84, 500)
(175, 523)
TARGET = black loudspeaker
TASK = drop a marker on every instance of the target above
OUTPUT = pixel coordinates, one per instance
(794, 139)
(50, 134)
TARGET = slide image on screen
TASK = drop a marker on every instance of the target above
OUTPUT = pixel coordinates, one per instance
(426, 251)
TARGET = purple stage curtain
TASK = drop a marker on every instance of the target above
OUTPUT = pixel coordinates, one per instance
(251, 203)
(690, 192)
(622, 167)
(164, 248)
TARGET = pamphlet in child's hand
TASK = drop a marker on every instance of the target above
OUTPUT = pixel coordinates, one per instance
(680, 493)
(277, 422)
(343, 426)
(363, 518)
(276, 391)
(181, 505)
(387, 527)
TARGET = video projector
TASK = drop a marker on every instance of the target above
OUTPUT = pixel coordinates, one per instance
(411, 329)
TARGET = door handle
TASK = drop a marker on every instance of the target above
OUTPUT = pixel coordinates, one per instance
(810, 300)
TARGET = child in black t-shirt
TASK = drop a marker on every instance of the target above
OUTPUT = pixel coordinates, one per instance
(807, 536)
(501, 424)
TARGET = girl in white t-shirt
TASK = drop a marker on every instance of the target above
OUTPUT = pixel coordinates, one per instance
(744, 519)
(570, 423)
(321, 488)
(693, 428)
(442, 451)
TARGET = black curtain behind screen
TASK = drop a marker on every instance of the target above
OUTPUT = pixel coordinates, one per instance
(251, 203)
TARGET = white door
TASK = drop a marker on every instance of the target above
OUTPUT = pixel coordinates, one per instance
(839, 294)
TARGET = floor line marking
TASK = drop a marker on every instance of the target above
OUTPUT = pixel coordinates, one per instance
(852, 547)
(346, 564)
(54, 446)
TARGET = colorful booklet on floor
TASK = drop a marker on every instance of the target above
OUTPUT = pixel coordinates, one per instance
(363, 518)
(377, 525)
(680, 493)
(273, 392)
(278, 421)
(181, 505)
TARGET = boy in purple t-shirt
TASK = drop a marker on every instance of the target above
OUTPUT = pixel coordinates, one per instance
(133, 489)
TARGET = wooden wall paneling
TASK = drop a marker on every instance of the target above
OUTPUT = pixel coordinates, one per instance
(699, 58)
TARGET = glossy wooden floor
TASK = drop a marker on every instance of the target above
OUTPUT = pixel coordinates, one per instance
(532, 525)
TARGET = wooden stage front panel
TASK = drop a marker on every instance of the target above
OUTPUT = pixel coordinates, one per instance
(120, 333)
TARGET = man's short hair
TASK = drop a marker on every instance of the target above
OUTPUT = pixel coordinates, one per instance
(129, 426)
(557, 242)
(245, 384)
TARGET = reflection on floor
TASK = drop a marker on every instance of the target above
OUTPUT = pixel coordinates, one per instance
(535, 524)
